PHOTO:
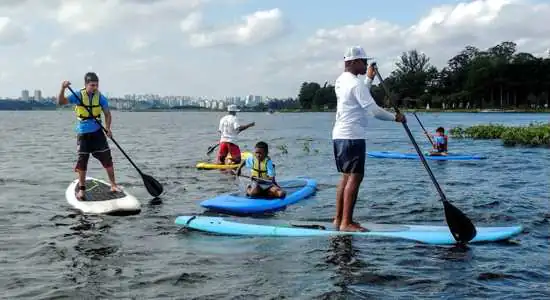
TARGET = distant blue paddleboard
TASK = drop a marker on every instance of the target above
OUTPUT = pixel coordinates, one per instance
(398, 155)
(296, 190)
(429, 234)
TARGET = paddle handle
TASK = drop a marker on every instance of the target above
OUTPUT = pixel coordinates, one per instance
(425, 131)
(211, 148)
(257, 179)
(411, 137)
(103, 128)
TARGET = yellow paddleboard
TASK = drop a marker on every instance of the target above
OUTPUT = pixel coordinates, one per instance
(213, 166)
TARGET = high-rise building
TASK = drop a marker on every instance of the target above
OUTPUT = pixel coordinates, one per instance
(37, 95)
(25, 95)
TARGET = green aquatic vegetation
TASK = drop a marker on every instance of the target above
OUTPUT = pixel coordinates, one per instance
(283, 148)
(534, 134)
(306, 147)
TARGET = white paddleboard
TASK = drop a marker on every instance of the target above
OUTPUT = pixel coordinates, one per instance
(100, 200)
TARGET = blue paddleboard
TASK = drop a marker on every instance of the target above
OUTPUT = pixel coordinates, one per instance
(429, 234)
(296, 190)
(399, 155)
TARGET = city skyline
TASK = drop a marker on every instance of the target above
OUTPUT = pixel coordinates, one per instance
(171, 101)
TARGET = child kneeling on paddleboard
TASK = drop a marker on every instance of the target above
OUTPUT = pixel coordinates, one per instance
(262, 174)
(440, 142)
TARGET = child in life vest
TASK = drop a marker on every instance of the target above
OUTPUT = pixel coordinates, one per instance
(262, 174)
(440, 142)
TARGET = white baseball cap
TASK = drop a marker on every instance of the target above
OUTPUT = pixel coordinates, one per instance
(232, 107)
(355, 52)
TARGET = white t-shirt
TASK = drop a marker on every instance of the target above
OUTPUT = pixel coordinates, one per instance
(229, 128)
(354, 100)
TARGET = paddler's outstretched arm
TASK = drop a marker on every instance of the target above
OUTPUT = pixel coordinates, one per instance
(244, 127)
(61, 99)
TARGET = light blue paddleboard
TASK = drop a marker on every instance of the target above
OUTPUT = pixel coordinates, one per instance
(429, 234)
(399, 155)
(296, 190)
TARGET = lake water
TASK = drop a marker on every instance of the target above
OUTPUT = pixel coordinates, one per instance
(49, 251)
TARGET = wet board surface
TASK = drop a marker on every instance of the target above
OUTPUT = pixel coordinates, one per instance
(296, 190)
(399, 155)
(429, 234)
(100, 200)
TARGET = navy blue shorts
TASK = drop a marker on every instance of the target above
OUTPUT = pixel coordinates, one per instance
(350, 156)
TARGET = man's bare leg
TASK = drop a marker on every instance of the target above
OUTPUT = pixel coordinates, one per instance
(340, 200)
(81, 182)
(350, 193)
(111, 173)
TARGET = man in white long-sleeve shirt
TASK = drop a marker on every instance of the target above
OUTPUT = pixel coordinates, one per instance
(354, 101)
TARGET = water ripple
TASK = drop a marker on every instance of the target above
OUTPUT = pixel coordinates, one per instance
(51, 251)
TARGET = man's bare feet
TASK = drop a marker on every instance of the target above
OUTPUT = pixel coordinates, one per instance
(115, 188)
(80, 195)
(336, 222)
(353, 227)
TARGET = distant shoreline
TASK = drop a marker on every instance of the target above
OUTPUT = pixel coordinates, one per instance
(205, 110)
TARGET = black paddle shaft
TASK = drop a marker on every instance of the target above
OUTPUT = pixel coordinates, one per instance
(425, 131)
(461, 227)
(422, 158)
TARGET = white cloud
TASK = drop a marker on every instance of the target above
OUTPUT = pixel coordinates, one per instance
(204, 47)
(86, 16)
(138, 43)
(441, 34)
(257, 27)
(10, 33)
(44, 60)
(192, 23)
(57, 43)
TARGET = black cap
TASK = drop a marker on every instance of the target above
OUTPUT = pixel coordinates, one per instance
(91, 77)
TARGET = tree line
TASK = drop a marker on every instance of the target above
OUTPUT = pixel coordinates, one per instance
(498, 77)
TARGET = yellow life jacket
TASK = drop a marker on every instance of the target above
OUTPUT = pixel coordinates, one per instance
(81, 111)
(260, 170)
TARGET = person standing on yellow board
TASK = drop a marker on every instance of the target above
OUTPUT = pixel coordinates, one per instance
(229, 128)
(90, 136)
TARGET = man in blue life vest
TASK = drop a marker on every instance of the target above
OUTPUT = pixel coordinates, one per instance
(440, 142)
(90, 136)
(262, 174)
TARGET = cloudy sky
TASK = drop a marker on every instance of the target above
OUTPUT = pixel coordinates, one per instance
(239, 47)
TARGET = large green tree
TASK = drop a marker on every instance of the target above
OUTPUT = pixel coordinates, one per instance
(497, 77)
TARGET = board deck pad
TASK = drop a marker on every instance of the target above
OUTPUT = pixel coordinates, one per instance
(98, 191)
(330, 227)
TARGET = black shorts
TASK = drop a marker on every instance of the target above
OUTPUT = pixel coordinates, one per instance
(350, 156)
(92, 142)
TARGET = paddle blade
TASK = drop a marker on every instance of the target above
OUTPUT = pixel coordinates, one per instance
(152, 185)
(462, 229)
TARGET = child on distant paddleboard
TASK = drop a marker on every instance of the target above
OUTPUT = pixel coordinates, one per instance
(440, 142)
(262, 174)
